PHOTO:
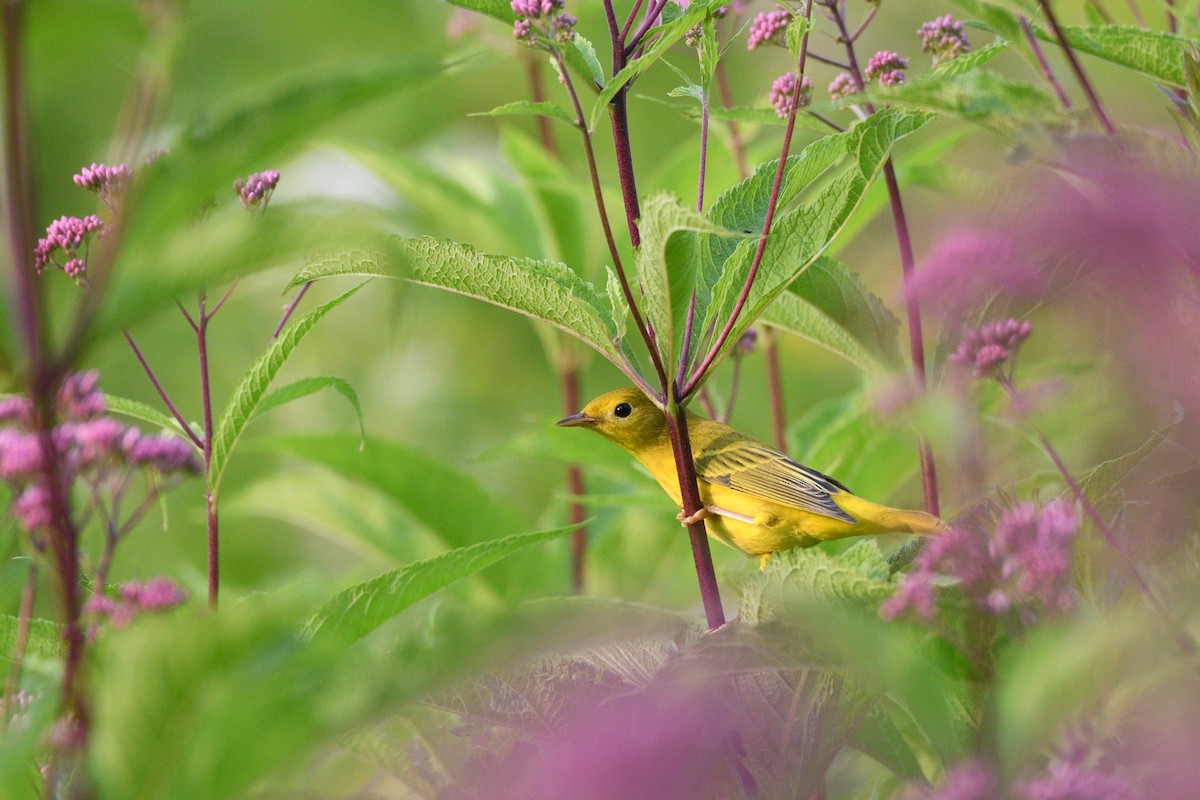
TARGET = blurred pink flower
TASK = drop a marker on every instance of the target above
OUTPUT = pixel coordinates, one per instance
(972, 265)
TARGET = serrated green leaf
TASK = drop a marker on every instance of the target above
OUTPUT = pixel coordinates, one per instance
(972, 59)
(144, 412)
(580, 56)
(358, 610)
(661, 38)
(811, 572)
(360, 263)
(1153, 53)
(528, 108)
(543, 290)
(795, 32)
(799, 236)
(499, 9)
(306, 386)
(829, 306)
(253, 386)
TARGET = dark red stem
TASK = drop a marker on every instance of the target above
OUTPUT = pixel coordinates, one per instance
(1043, 64)
(1077, 68)
(210, 500)
(775, 390)
(162, 394)
(287, 312)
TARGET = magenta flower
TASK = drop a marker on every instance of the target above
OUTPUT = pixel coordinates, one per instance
(535, 8)
(106, 182)
(782, 90)
(769, 28)
(33, 509)
(843, 85)
(523, 32)
(79, 399)
(1024, 567)
(165, 453)
(943, 37)
(886, 68)
(65, 238)
(992, 347)
(256, 190)
(564, 27)
(16, 409)
(970, 780)
(134, 599)
(970, 266)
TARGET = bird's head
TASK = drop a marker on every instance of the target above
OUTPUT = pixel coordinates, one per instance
(625, 416)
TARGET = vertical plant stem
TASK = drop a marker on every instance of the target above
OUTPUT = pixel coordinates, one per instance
(735, 135)
(710, 593)
(537, 90)
(569, 379)
(210, 500)
(24, 616)
(1043, 64)
(1077, 68)
(775, 389)
(291, 308)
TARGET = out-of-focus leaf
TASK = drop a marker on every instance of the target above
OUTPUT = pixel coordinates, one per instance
(253, 387)
(972, 59)
(580, 56)
(829, 306)
(306, 386)
(1154, 53)
(1100, 479)
(858, 574)
(886, 733)
(499, 9)
(358, 610)
(45, 637)
(527, 108)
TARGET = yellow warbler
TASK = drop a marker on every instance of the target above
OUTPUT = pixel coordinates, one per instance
(755, 498)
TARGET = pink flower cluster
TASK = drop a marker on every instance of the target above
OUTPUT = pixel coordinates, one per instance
(535, 8)
(768, 28)
(970, 780)
(107, 182)
(1024, 566)
(256, 190)
(64, 240)
(885, 67)
(987, 349)
(561, 28)
(86, 443)
(133, 599)
(944, 38)
(842, 85)
(782, 90)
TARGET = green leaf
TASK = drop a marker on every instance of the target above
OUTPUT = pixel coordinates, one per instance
(799, 236)
(829, 306)
(661, 38)
(45, 637)
(306, 386)
(858, 574)
(543, 290)
(500, 9)
(1100, 479)
(253, 386)
(888, 734)
(358, 610)
(668, 264)
(580, 56)
(528, 108)
(972, 59)
(1154, 53)
(144, 412)
(795, 32)
(361, 263)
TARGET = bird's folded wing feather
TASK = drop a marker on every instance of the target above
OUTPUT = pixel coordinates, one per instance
(747, 466)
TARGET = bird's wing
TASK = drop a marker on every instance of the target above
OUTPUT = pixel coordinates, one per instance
(747, 466)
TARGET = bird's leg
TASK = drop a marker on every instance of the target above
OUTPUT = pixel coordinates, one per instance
(704, 513)
(762, 561)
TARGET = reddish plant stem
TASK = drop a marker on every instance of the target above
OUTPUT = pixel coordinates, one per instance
(1043, 64)
(537, 90)
(710, 593)
(569, 378)
(830, 61)
(598, 193)
(637, 5)
(210, 500)
(775, 389)
(652, 14)
(744, 295)
(916, 337)
(735, 135)
(291, 307)
(162, 394)
(1077, 68)
(43, 378)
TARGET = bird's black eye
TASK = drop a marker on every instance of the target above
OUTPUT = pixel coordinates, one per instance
(623, 410)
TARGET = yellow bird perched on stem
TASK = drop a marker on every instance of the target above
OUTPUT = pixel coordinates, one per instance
(755, 498)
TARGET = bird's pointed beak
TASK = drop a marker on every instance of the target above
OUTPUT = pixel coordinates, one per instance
(576, 421)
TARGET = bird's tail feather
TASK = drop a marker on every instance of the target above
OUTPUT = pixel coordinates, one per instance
(882, 519)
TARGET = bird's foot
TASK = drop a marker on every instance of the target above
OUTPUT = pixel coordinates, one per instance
(685, 520)
(762, 561)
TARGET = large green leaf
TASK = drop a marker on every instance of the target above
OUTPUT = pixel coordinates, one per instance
(306, 386)
(1154, 53)
(358, 610)
(527, 108)
(44, 639)
(253, 386)
(500, 9)
(829, 306)
(543, 290)
(799, 236)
